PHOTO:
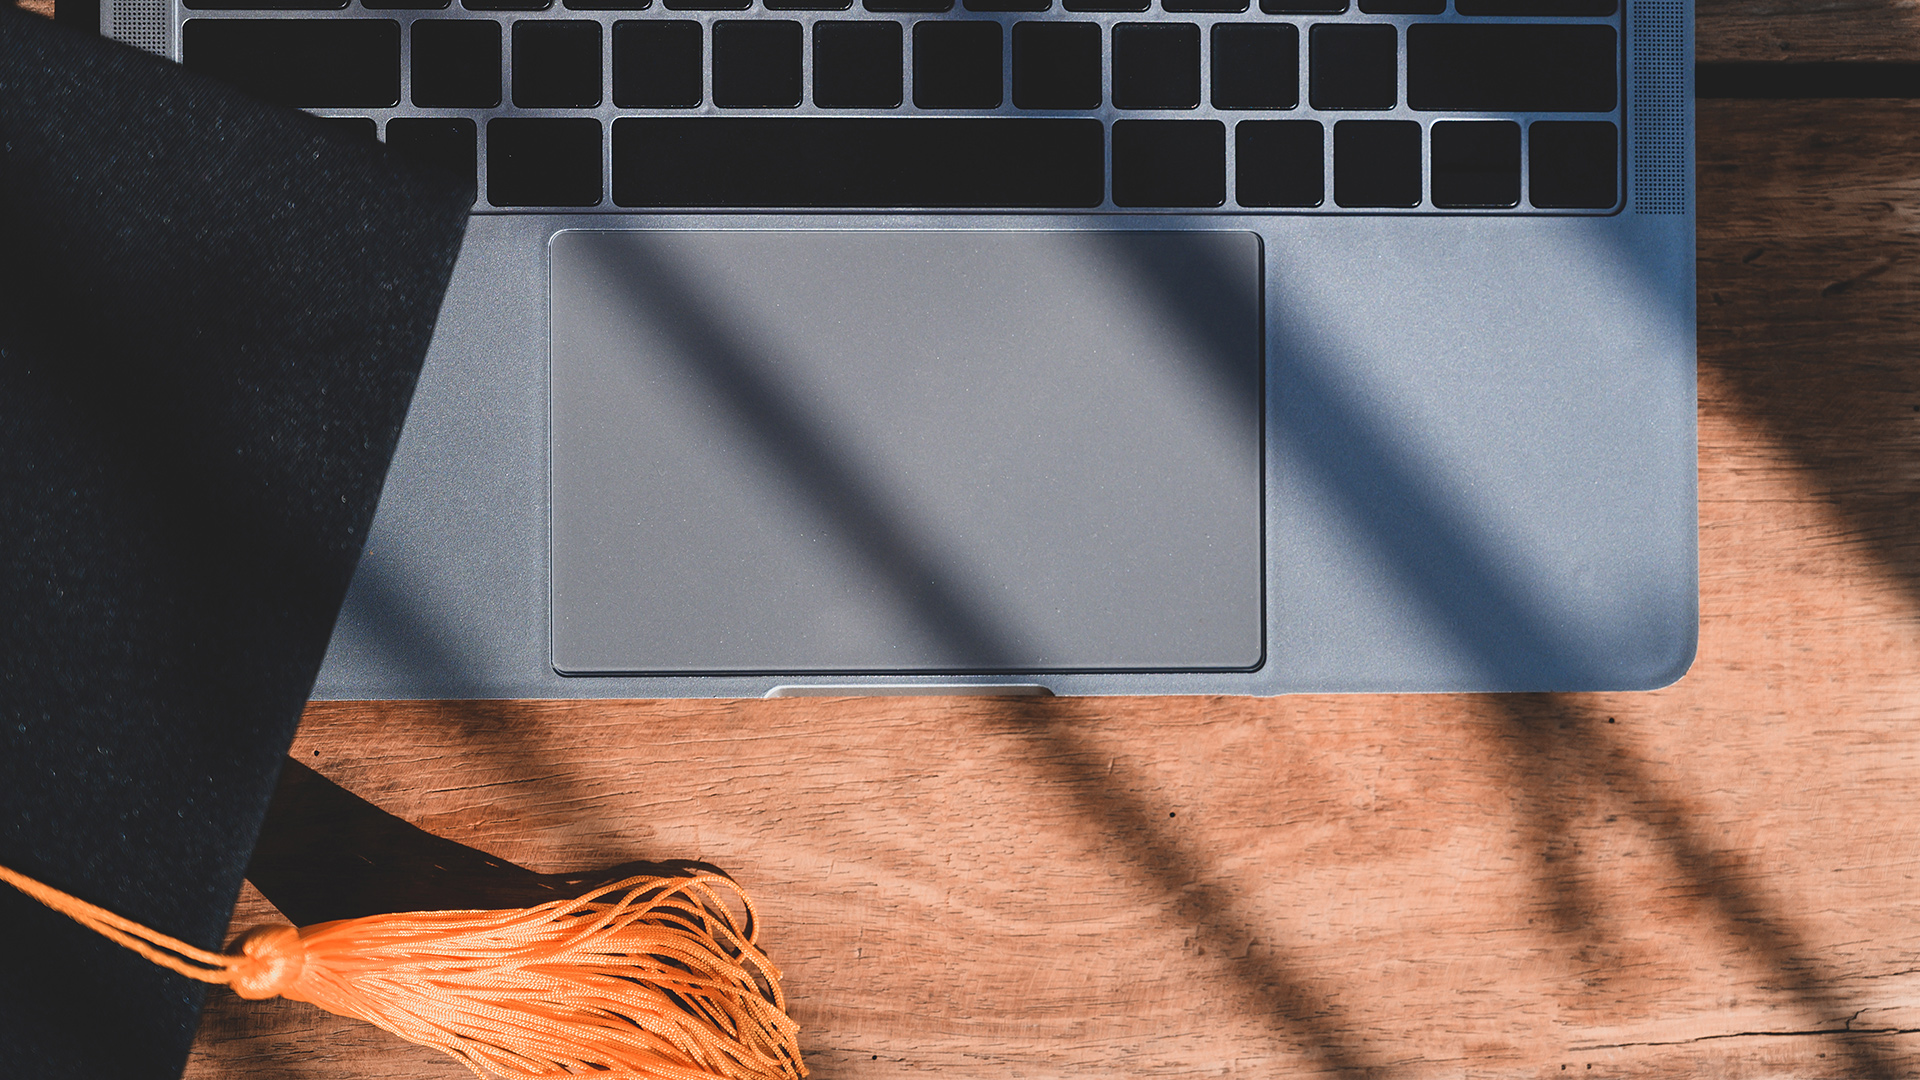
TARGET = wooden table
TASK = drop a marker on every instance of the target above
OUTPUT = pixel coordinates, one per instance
(1720, 879)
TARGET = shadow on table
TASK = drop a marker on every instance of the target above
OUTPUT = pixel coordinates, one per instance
(325, 854)
(1565, 767)
(1808, 312)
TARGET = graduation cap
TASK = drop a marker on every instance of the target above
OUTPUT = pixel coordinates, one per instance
(212, 315)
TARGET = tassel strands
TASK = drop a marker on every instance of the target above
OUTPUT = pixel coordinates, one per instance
(647, 978)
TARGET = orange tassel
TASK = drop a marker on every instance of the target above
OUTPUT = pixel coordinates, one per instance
(648, 977)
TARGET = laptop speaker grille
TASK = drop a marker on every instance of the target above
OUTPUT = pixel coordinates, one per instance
(1657, 107)
(142, 24)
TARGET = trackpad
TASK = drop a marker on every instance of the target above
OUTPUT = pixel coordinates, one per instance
(905, 451)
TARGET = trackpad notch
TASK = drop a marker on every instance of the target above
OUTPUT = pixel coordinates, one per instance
(912, 451)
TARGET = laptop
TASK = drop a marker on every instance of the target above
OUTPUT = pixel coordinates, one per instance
(1023, 346)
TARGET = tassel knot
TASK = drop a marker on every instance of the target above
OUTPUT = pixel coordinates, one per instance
(268, 961)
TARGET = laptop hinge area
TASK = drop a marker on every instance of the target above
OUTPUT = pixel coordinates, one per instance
(911, 690)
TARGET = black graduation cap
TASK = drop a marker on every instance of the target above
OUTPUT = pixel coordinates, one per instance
(212, 314)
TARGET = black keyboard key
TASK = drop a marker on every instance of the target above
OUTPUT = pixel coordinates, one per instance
(1106, 5)
(1573, 164)
(351, 63)
(1475, 163)
(443, 143)
(543, 162)
(858, 162)
(926, 7)
(808, 5)
(1056, 65)
(756, 64)
(656, 64)
(604, 5)
(1403, 7)
(1303, 7)
(1376, 163)
(1156, 66)
(392, 5)
(1353, 67)
(556, 64)
(456, 63)
(506, 5)
(1512, 67)
(1279, 163)
(1535, 7)
(1256, 65)
(1169, 163)
(857, 65)
(1225, 7)
(1008, 5)
(708, 5)
(956, 65)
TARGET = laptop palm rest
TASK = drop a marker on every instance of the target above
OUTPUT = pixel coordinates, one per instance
(915, 451)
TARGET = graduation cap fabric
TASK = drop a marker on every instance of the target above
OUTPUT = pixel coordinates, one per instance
(212, 314)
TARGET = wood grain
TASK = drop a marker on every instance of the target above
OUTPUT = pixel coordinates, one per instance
(1807, 30)
(1717, 879)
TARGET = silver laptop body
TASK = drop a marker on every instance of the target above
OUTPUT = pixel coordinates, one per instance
(1273, 350)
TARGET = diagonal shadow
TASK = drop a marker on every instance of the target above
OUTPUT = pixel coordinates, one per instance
(834, 484)
(1433, 548)
(409, 641)
(717, 351)
(1197, 296)
(1559, 735)
(1462, 586)
(1809, 330)
(1435, 553)
(1294, 1006)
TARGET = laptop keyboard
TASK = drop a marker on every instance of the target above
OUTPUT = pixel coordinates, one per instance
(1287, 106)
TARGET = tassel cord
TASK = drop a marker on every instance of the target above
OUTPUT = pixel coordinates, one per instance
(169, 952)
(520, 955)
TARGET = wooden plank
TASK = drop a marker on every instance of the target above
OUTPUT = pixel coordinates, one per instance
(1807, 30)
(1714, 879)
(1808, 303)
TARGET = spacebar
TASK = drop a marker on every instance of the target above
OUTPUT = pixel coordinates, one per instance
(858, 162)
